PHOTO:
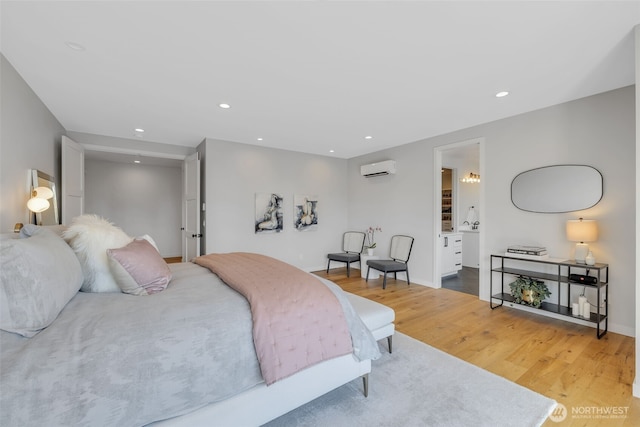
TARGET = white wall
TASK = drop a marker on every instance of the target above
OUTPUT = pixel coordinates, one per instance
(140, 199)
(30, 138)
(236, 172)
(598, 131)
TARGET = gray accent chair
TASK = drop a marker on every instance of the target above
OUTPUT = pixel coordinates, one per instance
(399, 254)
(352, 245)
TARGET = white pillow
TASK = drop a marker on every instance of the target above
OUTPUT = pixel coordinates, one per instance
(90, 236)
(39, 276)
(150, 240)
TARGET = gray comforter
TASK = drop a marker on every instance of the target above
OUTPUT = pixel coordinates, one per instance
(119, 359)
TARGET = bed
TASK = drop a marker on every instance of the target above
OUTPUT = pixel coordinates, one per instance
(182, 356)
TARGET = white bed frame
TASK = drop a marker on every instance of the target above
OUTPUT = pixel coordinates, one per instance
(262, 404)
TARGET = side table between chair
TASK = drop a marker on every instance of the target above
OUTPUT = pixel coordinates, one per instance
(373, 274)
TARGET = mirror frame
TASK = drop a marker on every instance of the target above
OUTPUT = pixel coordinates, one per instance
(41, 179)
(557, 189)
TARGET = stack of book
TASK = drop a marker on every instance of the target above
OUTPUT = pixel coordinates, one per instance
(532, 252)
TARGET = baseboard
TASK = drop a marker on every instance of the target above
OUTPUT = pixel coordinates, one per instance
(312, 269)
(422, 282)
(622, 330)
(401, 276)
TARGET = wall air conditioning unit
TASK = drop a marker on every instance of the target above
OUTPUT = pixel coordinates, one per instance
(378, 169)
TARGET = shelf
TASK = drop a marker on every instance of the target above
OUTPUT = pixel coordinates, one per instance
(545, 276)
(550, 307)
(556, 261)
(533, 274)
(564, 268)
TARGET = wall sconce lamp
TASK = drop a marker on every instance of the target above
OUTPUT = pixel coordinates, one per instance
(473, 178)
(582, 231)
(39, 201)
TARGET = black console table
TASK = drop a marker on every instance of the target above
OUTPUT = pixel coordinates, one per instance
(510, 266)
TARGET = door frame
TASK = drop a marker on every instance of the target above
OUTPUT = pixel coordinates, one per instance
(437, 210)
(187, 195)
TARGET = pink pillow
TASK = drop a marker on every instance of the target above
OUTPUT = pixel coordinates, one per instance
(138, 268)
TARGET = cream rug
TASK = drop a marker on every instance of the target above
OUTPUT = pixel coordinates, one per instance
(419, 385)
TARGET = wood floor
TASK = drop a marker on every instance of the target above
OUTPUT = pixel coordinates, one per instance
(558, 359)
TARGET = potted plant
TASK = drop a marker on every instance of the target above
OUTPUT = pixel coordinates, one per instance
(528, 291)
(371, 244)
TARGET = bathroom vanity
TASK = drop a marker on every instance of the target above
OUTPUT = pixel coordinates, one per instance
(471, 248)
(451, 245)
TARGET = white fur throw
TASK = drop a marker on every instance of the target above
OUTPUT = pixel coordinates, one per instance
(90, 236)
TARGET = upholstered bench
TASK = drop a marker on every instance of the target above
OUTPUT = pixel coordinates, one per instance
(377, 317)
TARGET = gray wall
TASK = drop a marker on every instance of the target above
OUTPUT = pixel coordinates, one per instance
(30, 138)
(636, 385)
(597, 131)
(236, 172)
(140, 199)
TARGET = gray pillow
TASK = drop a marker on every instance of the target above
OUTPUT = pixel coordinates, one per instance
(38, 276)
(29, 229)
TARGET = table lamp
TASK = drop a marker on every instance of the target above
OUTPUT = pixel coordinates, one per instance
(39, 199)
(582, 231)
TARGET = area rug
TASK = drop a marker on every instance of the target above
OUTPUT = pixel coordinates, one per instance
(418, 385)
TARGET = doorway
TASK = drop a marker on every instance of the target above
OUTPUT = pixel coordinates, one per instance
(447, 199)
(459, 212)
(140, 194)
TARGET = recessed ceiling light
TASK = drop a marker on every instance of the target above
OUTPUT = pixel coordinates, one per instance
(332, 151)
(368, 137)
(224, 106)
(259, 139)
(75, 46)
(136, 161)
(139, 130)
(502, 94)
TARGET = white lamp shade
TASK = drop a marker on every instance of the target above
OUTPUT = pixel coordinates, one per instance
(37, 204)
(582, 230)
(43, 192)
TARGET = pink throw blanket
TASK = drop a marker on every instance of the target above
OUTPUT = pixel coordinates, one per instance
(297, 320)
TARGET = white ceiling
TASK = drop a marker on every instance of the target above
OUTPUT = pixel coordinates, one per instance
(312, 76)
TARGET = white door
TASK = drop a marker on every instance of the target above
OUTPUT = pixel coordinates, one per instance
(191, 208)
(72, 180)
